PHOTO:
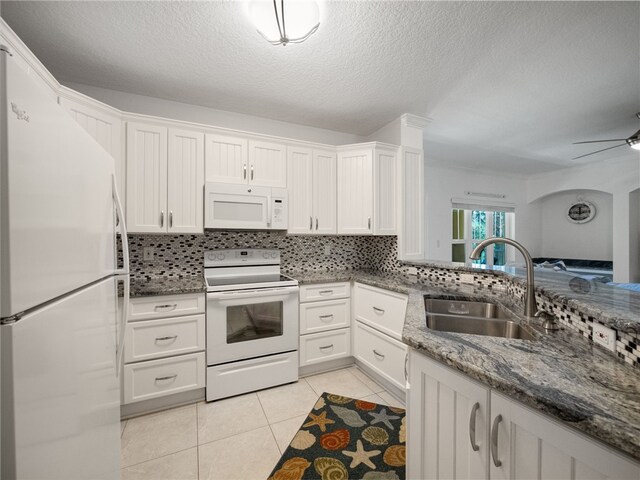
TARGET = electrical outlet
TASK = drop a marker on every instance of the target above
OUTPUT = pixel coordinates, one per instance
(411, 270)
(148, 253)
(327, 249)
(466, 278)
(604, 336)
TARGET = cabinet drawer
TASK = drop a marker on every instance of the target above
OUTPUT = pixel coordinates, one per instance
(144, 308)
(381, 309)
(150, 339)
(380, 352)
(157, 378)
(324, 291)
(321, 316)
(321, 347)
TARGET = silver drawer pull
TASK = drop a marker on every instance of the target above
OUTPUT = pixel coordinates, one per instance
(472, 426)
(169, 306)
(310, 223)
(378, 310)
(494, 441)
(323, 317)
(170, 337)
(378, 354)
(326, 347)
(325, 292)
(168, 377)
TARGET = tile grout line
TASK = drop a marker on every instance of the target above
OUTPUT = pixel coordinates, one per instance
(198, 439)
(273, 435)
(157, 458)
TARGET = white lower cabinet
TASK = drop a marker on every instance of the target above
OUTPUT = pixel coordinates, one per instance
(325, 322)
(381, 353)
(451, 415)
(164, 346)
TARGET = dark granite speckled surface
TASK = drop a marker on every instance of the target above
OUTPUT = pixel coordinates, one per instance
(166, 286)
(561, 374)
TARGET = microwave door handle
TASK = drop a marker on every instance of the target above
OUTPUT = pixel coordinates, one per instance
(269, 211)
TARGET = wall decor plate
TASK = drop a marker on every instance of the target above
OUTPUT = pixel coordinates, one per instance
(581, 211)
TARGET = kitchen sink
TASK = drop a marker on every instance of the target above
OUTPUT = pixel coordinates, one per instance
(477, 318)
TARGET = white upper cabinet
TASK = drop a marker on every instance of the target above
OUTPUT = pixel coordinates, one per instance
(185, 181)
(146, 178)
(324, 192)
(312, 191)
(165, 179)
(226, 159)
(231, 159)
(267, 164)
(411, 236)
(103, 125)
(367, 190)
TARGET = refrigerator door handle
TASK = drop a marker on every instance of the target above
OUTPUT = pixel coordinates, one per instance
(123, 230)
(122, 324)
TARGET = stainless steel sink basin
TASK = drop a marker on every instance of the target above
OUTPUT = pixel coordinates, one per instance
(477, 318)
(465, 308)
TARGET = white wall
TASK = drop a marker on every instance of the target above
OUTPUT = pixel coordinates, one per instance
(443, 184)
(129, 102)
(561, 238)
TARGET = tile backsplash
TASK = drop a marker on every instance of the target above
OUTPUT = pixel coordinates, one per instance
(183, 255)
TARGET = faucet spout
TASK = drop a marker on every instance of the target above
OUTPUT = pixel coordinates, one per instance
(530, 306)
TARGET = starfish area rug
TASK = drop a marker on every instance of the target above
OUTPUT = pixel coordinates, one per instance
(345, 439)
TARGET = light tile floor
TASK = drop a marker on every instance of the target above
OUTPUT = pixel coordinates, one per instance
(237, 438)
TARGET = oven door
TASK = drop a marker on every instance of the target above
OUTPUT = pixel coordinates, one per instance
(251, 323)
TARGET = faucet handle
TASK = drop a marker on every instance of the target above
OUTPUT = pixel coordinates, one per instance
(549, 319)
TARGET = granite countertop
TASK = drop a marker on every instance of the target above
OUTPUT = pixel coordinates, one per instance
(166, 286)
(561, 374)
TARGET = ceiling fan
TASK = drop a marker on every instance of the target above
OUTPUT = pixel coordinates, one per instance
(633, 141)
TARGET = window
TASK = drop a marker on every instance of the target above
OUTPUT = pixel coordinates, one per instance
(471, 225)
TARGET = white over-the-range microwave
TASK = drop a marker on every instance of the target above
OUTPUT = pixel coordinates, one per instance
(244, 207)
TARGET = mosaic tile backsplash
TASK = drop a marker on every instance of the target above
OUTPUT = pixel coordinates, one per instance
(183, 255)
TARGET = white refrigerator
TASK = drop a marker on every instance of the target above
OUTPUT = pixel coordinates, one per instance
(61, 321)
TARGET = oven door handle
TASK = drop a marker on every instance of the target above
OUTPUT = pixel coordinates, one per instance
(257, 293)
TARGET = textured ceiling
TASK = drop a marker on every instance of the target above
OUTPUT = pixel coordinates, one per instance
(508, 85)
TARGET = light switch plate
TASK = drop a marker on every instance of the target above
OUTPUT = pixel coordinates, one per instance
(604, 336)
(148, 253)
(466, 277)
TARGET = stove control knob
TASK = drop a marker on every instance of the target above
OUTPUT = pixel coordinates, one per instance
(221, 256)
(211, 256)
(265, 254)
(274, 255)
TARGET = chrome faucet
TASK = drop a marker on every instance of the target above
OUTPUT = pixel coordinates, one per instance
(530, 307)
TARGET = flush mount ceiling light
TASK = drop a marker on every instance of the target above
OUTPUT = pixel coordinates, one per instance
(281, 23)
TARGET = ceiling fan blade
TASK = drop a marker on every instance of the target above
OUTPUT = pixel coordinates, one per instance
(598, 151)
(598, 141)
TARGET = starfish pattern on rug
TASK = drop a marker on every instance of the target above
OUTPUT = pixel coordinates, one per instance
(383, 417)
(361, 456)
(320, 420)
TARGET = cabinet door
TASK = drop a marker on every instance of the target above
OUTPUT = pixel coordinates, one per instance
(104, 127)
(445, 407)
(531, 445)
(355, 192)
(267, 164)
(324, 192)
(146, 178)
(185, 181)
(385, 192)
(299, 165)
(226, 159)
(411, 222)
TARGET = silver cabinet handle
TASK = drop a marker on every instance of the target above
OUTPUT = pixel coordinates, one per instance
(494, 441)
(310, 223)
(472, 426)
(378, 310)
(325, 292)
(326, 346)
(169, 337)
(378, 354)
(251, 172)
(168, 377)
(369, 223)
(322, 317)
(406, 370)
(244, 171)
(170, 219)
(171, 306)
(161, 218)
(316, 223)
